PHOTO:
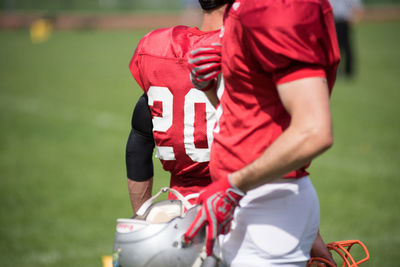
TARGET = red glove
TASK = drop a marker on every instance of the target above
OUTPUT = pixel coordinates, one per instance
(205, 65)
(218, 201)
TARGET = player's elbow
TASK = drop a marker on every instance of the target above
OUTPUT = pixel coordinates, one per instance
(321, 138)
(326, 141)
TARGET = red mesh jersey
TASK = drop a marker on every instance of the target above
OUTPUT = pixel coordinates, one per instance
(265, 43)
(183, 118)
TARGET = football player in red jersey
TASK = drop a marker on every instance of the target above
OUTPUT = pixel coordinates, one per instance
(279, 61)
(171, 115)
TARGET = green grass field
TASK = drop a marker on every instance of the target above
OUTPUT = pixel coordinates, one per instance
(65, 108)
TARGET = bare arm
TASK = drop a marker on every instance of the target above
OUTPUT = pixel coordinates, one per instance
(320, 250)
(212, 93)
(308, 135)
(138, 156)
(212, 96)
(139, 192)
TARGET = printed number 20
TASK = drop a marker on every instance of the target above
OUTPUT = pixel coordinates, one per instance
(164, 122)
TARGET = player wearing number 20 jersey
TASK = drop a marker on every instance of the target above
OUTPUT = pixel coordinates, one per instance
(183, 118)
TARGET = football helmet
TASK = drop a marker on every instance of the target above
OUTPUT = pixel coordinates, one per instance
(343, 249)
(153, 237)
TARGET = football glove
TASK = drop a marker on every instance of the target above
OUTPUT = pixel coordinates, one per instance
(218, 202)
(205, 65)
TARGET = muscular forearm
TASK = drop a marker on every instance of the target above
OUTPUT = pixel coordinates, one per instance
(308, 135)
(291, 151)
(139, 192)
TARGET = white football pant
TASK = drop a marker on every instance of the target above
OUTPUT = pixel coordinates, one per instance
(275, 225)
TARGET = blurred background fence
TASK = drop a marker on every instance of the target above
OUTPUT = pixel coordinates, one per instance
(90, 5)
(118, 5)
(134, 14)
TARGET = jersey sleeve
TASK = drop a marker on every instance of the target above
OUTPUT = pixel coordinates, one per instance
(291, 44)
(135, 64)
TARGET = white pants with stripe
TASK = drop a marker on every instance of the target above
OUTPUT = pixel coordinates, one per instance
(275, 226)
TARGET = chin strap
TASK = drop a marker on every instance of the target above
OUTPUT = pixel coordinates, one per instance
(142, 210)
(343, 249)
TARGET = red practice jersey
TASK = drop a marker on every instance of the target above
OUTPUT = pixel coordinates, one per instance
(266, 43)
(183, 118)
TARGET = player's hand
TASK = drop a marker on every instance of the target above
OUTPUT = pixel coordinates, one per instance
(205, 65)
(218, 202)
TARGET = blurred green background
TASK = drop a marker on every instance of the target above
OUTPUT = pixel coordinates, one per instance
(90, 5)
(65, 108)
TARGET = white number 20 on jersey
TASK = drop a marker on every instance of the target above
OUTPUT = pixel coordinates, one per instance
(164, 122)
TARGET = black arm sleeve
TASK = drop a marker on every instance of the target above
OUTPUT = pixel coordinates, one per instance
(140, 145)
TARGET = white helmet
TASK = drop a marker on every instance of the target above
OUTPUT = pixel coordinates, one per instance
(153, 238)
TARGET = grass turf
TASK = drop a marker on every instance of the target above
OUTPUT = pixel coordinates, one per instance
(65, 108)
